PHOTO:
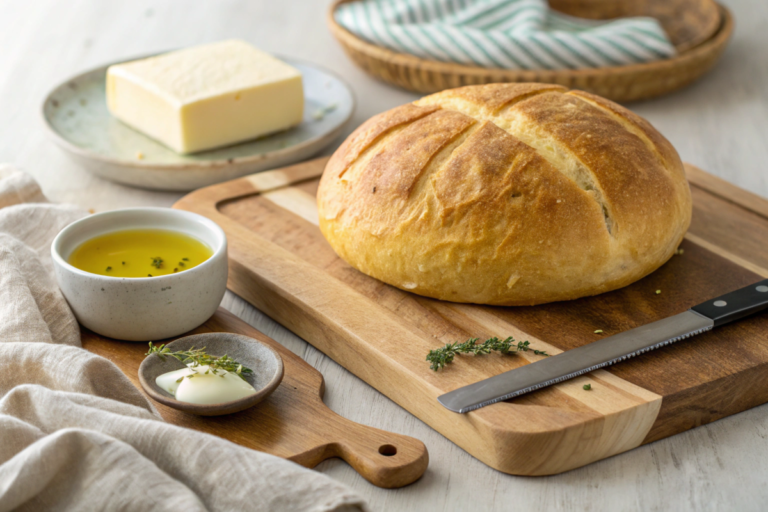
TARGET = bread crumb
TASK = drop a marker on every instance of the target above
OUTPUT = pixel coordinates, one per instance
(140, 155)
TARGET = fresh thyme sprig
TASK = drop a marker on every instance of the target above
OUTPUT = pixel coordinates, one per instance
(198, 357)
(438, 358)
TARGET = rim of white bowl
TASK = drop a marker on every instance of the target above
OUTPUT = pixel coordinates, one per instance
(189, 216)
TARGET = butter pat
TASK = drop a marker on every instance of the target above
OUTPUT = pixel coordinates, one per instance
(207, 96)
(205, 387)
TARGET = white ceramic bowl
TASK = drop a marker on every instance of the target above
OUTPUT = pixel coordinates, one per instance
(148, 308)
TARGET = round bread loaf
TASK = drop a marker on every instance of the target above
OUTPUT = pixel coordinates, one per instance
(506, 194)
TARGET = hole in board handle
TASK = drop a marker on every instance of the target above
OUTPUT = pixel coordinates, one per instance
(387, 450)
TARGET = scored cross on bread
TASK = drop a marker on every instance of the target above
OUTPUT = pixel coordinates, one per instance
(505, 194)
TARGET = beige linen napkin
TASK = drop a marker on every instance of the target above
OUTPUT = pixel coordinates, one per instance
(75, 434)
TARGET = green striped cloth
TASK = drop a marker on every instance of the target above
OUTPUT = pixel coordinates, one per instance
(511, 34)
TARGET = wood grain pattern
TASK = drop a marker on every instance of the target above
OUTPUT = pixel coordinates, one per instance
(281, 263)
(293, 422)
(619, 83)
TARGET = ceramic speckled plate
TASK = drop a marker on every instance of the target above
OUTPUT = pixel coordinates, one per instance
(77, 118)
(266, 363)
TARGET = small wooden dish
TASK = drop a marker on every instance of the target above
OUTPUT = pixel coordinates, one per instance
(620, 83)
(267, 366)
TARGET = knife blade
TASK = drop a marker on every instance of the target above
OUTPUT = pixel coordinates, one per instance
(607, 351)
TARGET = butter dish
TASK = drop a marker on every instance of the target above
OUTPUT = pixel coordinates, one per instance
(266, 363)
(77, 119)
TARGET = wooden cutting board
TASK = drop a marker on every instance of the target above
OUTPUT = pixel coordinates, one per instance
(280, 263)
(293, 422)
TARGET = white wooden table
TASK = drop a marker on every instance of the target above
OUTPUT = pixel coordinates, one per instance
(719, 124)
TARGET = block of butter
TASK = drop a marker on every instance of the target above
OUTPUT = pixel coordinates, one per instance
(206, 96)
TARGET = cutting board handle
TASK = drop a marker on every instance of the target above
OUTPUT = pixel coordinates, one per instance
(383, 458)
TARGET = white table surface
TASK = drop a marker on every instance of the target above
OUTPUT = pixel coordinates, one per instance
(719, 124)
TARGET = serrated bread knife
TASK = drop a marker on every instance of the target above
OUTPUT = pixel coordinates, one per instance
(613, 349)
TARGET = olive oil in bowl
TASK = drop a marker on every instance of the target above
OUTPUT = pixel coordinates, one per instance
(139, 253)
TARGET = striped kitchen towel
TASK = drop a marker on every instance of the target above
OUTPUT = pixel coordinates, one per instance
(511, 34)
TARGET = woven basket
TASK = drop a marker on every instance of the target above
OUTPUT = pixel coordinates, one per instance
(620, 83)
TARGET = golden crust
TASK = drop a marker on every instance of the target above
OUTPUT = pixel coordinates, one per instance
(494, 97)
(368, 132)
(506, 194)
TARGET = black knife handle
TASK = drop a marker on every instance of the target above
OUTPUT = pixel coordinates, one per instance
(735, 305)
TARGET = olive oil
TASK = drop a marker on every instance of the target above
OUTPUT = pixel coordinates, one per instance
(140, 253)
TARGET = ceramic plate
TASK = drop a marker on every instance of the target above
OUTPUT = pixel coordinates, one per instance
(266, 363)
(77, 118)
